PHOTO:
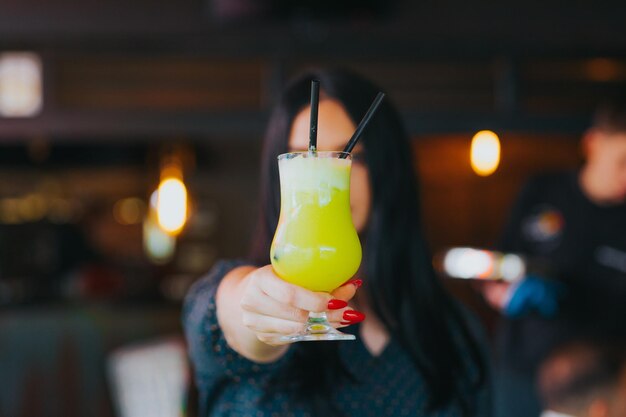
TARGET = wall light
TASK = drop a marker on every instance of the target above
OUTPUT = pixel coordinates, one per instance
(485, 153)
(172, 205)
(21, 91)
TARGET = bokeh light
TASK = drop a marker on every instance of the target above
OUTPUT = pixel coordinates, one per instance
(20, 84)
(485, 153)
(129, 211)
(172, 205)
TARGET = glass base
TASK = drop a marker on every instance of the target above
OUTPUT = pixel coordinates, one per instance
(317, 328)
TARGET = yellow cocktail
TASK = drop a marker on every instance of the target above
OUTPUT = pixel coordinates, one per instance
(315, 245)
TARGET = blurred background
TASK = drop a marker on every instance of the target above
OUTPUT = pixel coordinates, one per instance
(102, 103)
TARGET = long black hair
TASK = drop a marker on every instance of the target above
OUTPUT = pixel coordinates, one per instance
(401, 284)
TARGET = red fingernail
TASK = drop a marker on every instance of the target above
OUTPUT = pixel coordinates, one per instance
(353, 316)
(345, 323)
(336, 304)
(357, 282)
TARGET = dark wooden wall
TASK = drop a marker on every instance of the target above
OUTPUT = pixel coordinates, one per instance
(461, 208)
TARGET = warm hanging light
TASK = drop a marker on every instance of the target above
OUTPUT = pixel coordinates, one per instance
(171, 204)
(485, 153)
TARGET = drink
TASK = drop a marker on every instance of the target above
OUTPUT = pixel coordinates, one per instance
(315, 245)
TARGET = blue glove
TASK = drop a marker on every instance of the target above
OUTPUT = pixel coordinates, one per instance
(534, 293)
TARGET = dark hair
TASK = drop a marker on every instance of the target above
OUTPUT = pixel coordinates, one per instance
(593, 369)
(401, 284)
(610, 116)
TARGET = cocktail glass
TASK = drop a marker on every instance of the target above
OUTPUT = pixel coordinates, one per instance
(315, 245)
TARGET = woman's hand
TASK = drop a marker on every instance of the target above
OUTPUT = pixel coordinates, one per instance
(272, 307)
(497, 294)
(255, 307)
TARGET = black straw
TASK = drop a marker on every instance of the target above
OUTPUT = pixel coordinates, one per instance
(364, 122)
(315, 101)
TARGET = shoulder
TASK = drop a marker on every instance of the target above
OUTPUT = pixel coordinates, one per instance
(476, 360)
(469, 335)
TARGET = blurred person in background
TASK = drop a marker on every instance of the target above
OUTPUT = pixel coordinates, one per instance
(584, 379)
(573, 227)
(416, 353)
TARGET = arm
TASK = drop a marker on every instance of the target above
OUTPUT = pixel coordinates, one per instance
(532, 293)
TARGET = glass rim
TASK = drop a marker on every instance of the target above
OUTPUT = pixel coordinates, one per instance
(318, 154)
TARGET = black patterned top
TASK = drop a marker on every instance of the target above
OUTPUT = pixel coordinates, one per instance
(231, 385)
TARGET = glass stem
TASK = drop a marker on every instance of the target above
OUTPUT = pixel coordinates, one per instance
(318, 323)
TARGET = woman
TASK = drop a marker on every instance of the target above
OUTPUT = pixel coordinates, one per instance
(414, 354)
